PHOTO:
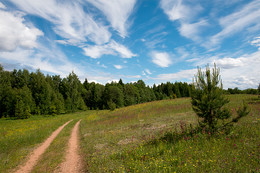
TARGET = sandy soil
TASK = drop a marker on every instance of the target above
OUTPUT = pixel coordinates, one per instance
(34, 157)
(72, 163)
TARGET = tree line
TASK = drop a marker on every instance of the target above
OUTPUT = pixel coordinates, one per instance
(24, 93)
(246, 91)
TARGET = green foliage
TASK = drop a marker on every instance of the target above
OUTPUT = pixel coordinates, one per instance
(113, 94)
(241, 112)
(208, 99)
(131, 94)
(111, 105)
(53, 110)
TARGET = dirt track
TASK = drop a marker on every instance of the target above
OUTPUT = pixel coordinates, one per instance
(35, 155)
(72, 164)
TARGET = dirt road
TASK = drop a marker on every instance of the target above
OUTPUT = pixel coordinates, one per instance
(35, 155)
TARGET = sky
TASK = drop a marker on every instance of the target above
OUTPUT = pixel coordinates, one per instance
(153, 40)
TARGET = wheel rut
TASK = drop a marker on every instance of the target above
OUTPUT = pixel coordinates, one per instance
(36, 154)
(72, 163)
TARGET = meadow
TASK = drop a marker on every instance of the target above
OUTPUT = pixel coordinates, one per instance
(148, 137)
(156, 137)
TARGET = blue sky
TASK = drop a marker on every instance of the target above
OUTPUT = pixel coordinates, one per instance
(153, 40)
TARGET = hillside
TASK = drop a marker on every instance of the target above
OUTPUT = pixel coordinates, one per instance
(143, 137)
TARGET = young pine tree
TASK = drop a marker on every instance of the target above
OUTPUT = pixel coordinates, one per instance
(208, 98)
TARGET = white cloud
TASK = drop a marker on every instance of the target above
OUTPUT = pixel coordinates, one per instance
(192, 30)
(132, 77)
(183, 53)
(2, 5)
(122, 50)
(118, 67)
(256, 42)
(178, 10)
(56, 62)
(103, 66)
(181, 75)
(52, 61)
(185, 12)
(117, 13)
(241, 20)
(228, 63)
(242, 72)
(148, 71)
(113, 48)
(97, 51)
(69, 19)
(14, 32)
(161, 59)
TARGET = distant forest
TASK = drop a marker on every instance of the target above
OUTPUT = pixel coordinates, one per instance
(24, 93)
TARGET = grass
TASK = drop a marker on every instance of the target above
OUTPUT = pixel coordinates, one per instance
(19, 137)
(149, 137)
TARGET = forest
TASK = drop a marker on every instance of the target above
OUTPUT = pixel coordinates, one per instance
(24, 93)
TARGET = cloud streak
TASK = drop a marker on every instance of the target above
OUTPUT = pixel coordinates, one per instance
(69, 19)
(243, 19)
(117, 13)
(112, 48)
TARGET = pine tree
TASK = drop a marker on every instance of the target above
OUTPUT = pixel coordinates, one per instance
(207, 98)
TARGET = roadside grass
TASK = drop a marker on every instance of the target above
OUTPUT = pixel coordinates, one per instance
(152, 137)
(19, 137)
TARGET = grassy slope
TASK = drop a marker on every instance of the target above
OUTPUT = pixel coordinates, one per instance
(121, 140)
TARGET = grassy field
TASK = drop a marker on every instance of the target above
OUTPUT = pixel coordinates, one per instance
(148, 138)
(141, 138)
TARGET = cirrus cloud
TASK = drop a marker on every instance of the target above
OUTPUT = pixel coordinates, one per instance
(113, 48)
(117, 13)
